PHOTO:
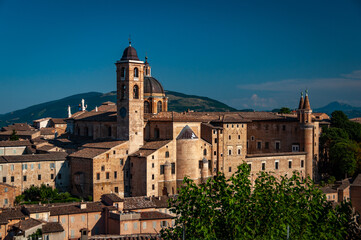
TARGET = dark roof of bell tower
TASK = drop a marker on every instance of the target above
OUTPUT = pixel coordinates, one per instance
(130, 54)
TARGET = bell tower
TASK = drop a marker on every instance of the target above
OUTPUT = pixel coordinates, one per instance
(130, 99)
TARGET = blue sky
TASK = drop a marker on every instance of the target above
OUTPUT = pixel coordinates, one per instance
(248, 54)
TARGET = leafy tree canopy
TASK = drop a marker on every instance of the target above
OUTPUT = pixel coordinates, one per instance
(285, 110)
(237, 209)
(14, 136)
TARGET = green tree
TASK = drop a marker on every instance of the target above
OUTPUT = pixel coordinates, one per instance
(343, 158)
(237, 209)
(284, 110)
(14, 136)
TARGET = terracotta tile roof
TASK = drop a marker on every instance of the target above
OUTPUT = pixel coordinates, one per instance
(45, 147)
(7, 185)
(103, 145)
(12, 213)
(47, 131)
(18, 127)
(326, 190)
(358, 120)
(226, 117)
(52, 156)
(19, 133)
(58, 120)
(52, 227)
(113, 197)
(107, 116)
(89, 153)
(27, 224)
(29, 209)
(133, 203)
(107, 107)
(154, 215)
(18, 143)
(73, 208)
(149, 148)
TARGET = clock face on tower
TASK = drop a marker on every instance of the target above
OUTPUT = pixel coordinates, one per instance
(123, 112)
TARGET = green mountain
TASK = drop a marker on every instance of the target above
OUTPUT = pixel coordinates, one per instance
(178, 102)
(350, 111)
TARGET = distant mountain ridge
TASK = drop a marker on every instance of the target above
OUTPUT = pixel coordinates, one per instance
(350, 111)
(178, 102)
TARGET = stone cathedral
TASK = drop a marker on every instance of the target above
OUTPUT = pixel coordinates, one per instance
(137, 148)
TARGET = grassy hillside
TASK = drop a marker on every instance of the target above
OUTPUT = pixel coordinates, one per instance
(58, 109)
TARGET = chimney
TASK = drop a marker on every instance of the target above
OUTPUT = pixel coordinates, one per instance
(69, 111)
(82, 205)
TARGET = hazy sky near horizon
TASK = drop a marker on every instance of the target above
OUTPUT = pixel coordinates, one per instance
(248, 54)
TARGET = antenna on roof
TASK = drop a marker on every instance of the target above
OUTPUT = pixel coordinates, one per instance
(130, 41)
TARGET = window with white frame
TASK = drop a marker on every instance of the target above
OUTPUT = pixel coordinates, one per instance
(277, 162)
(295, 147)
(289, 163)
(239, 150)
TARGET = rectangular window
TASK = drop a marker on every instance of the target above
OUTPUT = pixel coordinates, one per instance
(247, 144)
(72, 233)
(278, 145)
(121, 162)
(116, 189)
(72, 219)
(173, 168)
(161, 169)
(250, 166)
(135, 226)
(52, 165)
(215, 153)
(152, 186)
(52, 176)
(98, 176)
(6, 189)
(229, 151)
(215, 140)
(263, 166)
(302, 163)
(12, 179)
(39, 166)
(24, 178)
(284, 127)
(295, 148)
(152, 165)
(25, 166)
(107, 175)
(4, 179)
(83, 218)
(39, 177)
(154, 224)
(115, 174)
(266, 145)
(32, 166)
(6, 201)
(125, 226)
(144, 225)
(12, 167)
(289, 163)
(63, 220)
(276, 164)
(152, 176)
(259, 145)
(230, 169)
(229, 137)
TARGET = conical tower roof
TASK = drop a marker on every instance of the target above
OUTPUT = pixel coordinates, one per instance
(306, 105)
(300, 106)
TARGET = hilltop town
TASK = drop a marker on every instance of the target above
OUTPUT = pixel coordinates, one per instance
(123, 160)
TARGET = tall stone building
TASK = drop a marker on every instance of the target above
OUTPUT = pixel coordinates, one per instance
(160, 148)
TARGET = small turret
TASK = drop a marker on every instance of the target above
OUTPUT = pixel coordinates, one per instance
(300, 106)
(147, 69)
(307, 105)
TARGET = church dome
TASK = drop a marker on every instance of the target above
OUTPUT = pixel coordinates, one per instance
(151, 85)
(130, 54)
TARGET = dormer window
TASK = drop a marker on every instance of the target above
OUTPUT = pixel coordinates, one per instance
(136, 73)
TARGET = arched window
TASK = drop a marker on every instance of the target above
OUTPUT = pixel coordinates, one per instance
(167, 154)
(156, 133)
(136, 73)
(122, 73)
(124, 88)
(135, 92)
(146, 71)
(146, 107)
(159, 106)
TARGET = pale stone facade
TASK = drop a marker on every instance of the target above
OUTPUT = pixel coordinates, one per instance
(164, 147)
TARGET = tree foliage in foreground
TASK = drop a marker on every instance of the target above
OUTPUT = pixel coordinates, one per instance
(235, 209)
(44, 194)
